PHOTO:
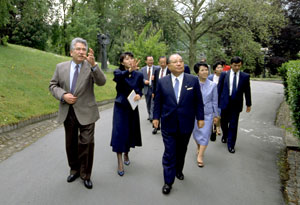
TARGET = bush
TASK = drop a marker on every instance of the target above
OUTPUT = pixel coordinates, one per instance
(293, 89)
(4, 40)
(283, 73)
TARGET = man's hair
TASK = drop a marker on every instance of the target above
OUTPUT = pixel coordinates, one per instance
(122, 56)
(197, 66)
(165, 58)
(78, 40)
(147, 57)
(236, 59)
(216, 64)
(168, 58)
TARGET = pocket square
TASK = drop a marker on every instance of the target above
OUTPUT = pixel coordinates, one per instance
(190, 88)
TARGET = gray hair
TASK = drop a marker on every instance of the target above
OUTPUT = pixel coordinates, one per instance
(78, 40)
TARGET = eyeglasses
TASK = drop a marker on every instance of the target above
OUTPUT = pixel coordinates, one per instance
(175, 62)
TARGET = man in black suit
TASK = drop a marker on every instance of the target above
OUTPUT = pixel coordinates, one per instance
(159, 73)
(178, 102)
(232, 87)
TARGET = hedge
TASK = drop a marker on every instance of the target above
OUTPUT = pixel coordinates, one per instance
(292, 90)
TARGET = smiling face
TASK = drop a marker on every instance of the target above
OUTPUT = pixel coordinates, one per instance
(176, 64)
(149, 61)
(162, 62)
(219, 70)
(78, 53)
(203, 72)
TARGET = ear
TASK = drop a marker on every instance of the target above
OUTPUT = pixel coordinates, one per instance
(71, 53)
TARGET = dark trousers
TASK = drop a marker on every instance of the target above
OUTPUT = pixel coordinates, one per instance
(79, 145)
(149, 103)
(174, 154)
(229, 124)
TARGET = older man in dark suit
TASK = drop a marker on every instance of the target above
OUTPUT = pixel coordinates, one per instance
(178, 101)
(232, 87)
(73, 85)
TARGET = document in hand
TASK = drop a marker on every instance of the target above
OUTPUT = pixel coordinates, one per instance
(131, 101)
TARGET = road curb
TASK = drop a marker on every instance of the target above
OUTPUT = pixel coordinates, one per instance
(23, 123)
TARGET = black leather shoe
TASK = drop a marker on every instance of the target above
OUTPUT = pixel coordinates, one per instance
(213, 136)
(166, 189)
(88, 183)
(154, 131)
(72, 177)
(224, 140)
(231, 150)
(180, 176)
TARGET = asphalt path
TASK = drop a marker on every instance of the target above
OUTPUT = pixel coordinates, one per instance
(37, 174)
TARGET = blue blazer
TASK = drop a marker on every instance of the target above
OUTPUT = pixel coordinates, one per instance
(179, 116)
(211, 77)
(243, 88)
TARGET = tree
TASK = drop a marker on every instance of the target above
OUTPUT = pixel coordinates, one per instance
(5, 8)
(147, 43)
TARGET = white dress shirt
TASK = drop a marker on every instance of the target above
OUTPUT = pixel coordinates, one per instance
(216, 79)
(72, 71)
(231, 80)
(164, 72)
(180, 78)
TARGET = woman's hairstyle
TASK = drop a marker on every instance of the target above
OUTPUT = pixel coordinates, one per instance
(216, 64)
(197, 66)
(122, 56)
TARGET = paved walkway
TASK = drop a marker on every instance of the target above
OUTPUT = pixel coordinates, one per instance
(37, 174)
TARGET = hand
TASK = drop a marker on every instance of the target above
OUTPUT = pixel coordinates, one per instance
(90, 58)
(146, 82)
(134, 65)
(152, 78)
(152, 95)
(69, 98)
(137, 97)
(200, 123)
(248, 109)
(155, 123)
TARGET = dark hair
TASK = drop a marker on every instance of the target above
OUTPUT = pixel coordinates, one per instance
(197, 66)
(122, 56)
(216, 64)
(236, 59)
(147, 57)
(223, 62)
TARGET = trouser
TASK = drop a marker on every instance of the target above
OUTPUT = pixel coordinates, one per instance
(174, 154)
(79, 145)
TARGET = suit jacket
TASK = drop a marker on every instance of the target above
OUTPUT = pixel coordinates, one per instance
(243, 88)
(147, 89)
(85, 108)
(209, 92)
(179, 115)
(211, 77)
(156, 77)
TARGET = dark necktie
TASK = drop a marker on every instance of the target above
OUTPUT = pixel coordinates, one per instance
(233, 93)
(176, 88)
(149, 70)
(75, 76)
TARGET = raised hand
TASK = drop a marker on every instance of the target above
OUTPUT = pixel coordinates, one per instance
(90, 58)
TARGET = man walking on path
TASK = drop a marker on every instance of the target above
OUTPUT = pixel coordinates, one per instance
(178, 101)
(232, 87)
(73, 85)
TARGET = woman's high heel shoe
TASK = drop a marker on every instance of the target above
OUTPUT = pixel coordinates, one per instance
(121, 173)
(200, 164)
(127, 162)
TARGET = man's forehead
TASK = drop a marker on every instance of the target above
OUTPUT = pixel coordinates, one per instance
(78, 44)
(175, 56)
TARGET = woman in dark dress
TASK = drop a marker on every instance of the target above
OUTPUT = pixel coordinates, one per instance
(126, 132)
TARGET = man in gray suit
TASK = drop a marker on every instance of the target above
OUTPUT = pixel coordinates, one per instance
(148, 73)
(73, 85)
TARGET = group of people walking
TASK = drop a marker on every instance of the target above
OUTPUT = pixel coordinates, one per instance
(178, 103)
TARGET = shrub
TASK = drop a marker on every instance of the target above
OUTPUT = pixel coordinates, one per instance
(293, 89)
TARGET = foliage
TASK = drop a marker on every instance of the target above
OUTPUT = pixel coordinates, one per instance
(25, 74)
(293, 79)
(283, 73)
(147, 43)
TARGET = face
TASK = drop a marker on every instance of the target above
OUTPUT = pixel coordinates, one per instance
(162, 62)
(219, 70)
(127, 62)
(78, 53)
(236, 66)
(176, 65)
(203, 72)
(149, 61)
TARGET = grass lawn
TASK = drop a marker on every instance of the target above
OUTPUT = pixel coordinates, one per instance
(25, 74)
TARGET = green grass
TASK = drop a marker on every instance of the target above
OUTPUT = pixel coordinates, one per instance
(25, 74)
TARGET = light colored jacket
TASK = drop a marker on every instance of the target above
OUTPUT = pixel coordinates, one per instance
(85, 108)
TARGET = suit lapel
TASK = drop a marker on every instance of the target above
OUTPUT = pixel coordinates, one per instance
(240, 81)
(170, 87)
(184, 86)
(227, 81)
(83, 71)
(68, 70)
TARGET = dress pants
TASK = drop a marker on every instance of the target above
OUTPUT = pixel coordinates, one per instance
(149, 102)
(79, 146)
(174, 154)
(229, 123)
